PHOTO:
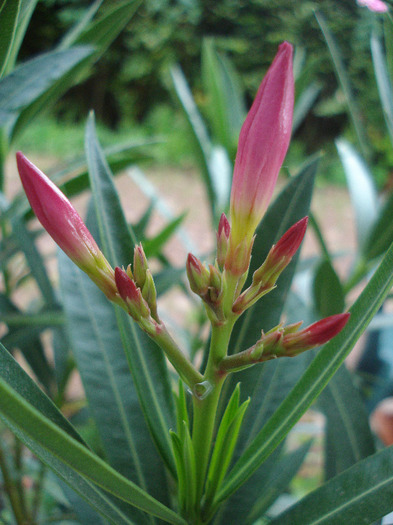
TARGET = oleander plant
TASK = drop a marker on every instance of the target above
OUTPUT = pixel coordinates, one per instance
(172, 431)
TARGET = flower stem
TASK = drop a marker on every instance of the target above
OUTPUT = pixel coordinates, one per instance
(180, 362)
(205, 408)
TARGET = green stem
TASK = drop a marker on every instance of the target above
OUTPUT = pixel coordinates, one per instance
(205, 408)
(12, 491)
(203, 432)
(181, 363)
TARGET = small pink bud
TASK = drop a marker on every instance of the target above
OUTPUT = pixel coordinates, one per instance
(316, 334)
(263, 143)
(224, 230)
(131, 295)
(64, 225)
(198, 275)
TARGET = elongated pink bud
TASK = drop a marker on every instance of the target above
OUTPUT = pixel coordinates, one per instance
(316, 334)
(64, 225)
(263, 143)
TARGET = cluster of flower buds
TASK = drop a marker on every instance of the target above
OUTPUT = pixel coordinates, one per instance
(287, 341)
(135, 292)
(137, 289)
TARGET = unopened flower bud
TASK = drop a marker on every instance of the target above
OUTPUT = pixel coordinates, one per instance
(281, 254)
(257, 351)
(198, 275)
(224, 230)
(136, 305)
(149, 293)
(129, 272)
(65, 226)
(263, 143)
(140, 266)
(215, 285)
(316, 334)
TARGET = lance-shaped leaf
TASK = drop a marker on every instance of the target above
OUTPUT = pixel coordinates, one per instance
(146, 360)
(360, 495)
(38, 423)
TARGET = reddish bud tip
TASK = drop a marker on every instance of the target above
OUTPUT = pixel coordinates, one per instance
(322, 331)
(198, 275)
(224, 228)
(194, 262)
(289, 243)
(126, 286)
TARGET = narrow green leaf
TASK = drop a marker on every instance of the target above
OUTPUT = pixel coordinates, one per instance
(26, 418)
(116, 511)
(9, 13)
(107, 381)
(345, 84)
(101, 33)
(281, 476)
(328, 292)
(146, 360)
(359, 496)
(34, 260)
(304, 103)
(225, 105)
(153, 246)
(361, 187)
(383, 81)
(200, 138)
(226, 440)
(77, 30)
(181, 410)
(28, 341)
(348, 432)
(316, 377)
(98, 36)
(26, 10)
(31, 79)
(381, 234)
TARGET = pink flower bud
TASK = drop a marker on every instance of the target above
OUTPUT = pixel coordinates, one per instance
(198, 275)
(289, 243)
(64, 225)
(224, 230)
(263, 143)
(131, 295)
(316, 334)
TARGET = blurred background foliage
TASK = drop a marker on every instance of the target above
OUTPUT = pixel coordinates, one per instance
(130, 87)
